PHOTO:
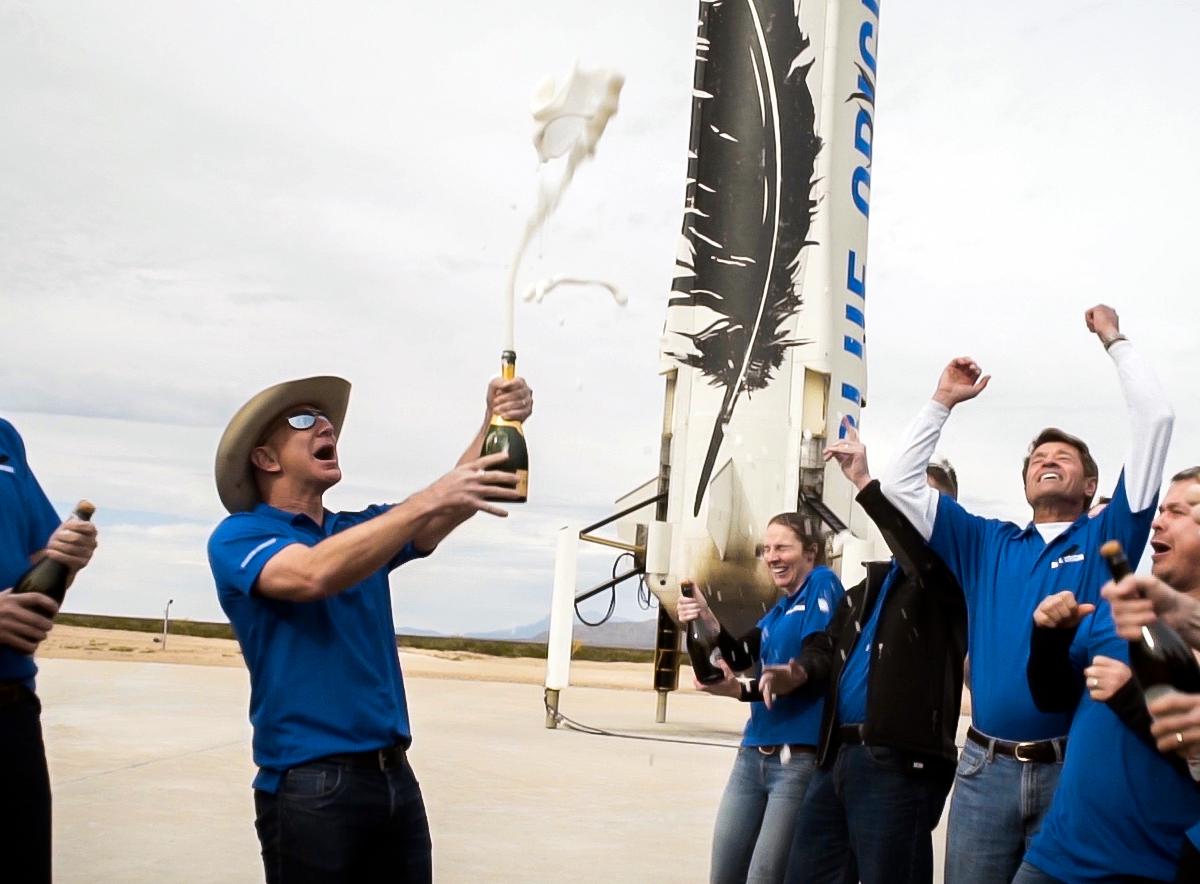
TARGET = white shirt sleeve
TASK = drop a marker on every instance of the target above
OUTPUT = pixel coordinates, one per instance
(1151, 420)
(904, 481)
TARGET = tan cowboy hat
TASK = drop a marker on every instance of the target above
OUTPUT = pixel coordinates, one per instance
(235, 474)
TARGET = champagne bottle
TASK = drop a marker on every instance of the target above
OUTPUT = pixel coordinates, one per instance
(48, 576)
(701, 644)
(1161, 660)
(509, 436)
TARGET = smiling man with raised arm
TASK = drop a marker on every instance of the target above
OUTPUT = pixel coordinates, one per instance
(1011, 763)
(307, 593)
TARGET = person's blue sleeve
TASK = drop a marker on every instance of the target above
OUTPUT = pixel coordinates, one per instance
(1097, 637)
(408, 552)
(42, 519)
(829, 597)
(1118, 522)
(1102, 638)
(241, 547)
(960, 538)
(1079, 652)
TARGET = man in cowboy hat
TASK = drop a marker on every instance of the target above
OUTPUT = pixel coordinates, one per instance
(307, 593)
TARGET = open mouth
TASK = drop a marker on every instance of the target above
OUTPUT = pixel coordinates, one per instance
(326, 452)
(1057, 477)
(1159, 547)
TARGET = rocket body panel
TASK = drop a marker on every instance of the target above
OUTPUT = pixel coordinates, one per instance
(766, 323)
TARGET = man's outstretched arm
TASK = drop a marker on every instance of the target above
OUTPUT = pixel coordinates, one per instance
(300, 573)
(904, 481)
(1151, 417)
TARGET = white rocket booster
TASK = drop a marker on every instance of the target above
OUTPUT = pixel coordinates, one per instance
(764, 347)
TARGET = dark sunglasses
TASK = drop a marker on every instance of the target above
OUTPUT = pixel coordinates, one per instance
(305, 420)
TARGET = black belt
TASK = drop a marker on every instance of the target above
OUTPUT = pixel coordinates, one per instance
(793, 748)
(1040, 751)
(13, 692)
(372, 759)
(850, 734)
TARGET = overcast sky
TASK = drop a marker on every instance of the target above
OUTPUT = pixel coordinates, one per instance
(202, 199)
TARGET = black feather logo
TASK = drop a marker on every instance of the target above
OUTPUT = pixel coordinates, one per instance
(749, 202)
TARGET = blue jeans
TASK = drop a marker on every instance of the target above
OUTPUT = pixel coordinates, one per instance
(870, 817)
(332, 822)
(996, 809)
(757, 817)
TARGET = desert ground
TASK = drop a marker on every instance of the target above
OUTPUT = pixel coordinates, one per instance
(151, 766)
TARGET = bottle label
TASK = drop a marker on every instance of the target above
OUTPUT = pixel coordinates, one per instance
(523, 482)
(498, 421)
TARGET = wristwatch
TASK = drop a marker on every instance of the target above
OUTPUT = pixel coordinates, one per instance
(1117, 337)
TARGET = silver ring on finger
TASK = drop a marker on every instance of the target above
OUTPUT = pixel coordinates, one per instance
(1179, 737)
(1093, 682)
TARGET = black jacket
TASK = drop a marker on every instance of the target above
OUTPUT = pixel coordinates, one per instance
(914, 688)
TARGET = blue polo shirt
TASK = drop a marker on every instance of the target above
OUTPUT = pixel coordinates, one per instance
(1005, 571)
(852, 688)
(324, 675)
(26, 522)
(1120, 810)
(793, 718)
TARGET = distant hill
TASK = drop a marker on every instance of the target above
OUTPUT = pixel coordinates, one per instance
(526, 633)
(413, 630)
(616, 633)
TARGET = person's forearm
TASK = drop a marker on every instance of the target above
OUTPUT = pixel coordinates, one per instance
(904, 481)
(306, 573)
(1151, 420)
(476, 444)
(904, 540)
(438, 527)
(816, 660)
(1054, 683)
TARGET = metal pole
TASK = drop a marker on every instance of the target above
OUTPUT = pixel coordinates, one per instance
(166, 622)
(562, 614)
(551, 708)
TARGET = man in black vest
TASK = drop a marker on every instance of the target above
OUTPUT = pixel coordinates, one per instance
(891, 666)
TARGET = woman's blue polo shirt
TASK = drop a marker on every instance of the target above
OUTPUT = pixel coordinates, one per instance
(324, 675)
(793, 718)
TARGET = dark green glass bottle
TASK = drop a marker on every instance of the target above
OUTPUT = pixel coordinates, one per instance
(509, 436)
(48, 576)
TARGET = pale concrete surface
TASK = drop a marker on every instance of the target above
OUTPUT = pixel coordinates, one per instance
(151, 772)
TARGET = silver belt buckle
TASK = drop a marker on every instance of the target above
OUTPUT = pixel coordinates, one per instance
(1017, 752)
(767, 750)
